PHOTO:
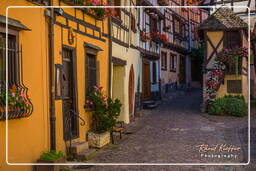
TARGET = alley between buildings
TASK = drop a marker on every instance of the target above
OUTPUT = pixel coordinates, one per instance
(172, 133)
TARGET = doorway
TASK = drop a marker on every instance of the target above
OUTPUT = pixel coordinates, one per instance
(146, 85)
(69, 109)
(131, 91)
(182, 73)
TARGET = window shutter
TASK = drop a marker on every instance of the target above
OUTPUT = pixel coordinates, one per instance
(98, 73)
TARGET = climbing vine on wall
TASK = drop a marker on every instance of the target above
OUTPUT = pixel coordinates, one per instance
(225, 59)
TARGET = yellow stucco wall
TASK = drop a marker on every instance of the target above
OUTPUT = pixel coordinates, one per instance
(29, 137)
(61, 38)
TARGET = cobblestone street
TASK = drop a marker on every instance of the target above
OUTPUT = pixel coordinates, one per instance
(171, 134)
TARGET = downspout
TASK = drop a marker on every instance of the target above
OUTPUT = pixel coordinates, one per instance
(51, 79)
(110, 56)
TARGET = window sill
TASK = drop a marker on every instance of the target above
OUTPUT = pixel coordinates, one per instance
(172, 70)
(88, 108)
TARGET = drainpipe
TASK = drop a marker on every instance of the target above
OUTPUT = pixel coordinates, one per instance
(110, 56)
(51, 79)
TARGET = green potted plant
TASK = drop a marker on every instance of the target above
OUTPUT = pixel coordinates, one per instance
(50, 157)
(104, 116)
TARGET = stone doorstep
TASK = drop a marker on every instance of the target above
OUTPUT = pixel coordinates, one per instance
(152, 106)
(78, 147)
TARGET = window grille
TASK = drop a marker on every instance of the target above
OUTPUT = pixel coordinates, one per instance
(19, 104)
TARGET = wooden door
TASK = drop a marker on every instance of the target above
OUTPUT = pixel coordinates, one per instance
(131, 91)
(146, 86)
(182, 72)
(70, 121)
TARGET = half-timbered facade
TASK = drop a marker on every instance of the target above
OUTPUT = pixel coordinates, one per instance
(224, 30)
(65, 51)
(180, 28)
(150, 25)
(126, 62)
(243, 13)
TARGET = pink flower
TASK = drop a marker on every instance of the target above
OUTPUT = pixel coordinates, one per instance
(13, 94)
(91, 103)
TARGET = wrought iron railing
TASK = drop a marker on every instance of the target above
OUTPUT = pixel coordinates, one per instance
(15, 93)
(68, 131)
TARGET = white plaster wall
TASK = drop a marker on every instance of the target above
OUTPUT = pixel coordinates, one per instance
(132, 57)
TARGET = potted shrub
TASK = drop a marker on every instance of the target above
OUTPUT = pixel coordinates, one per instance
(104, 117)
(50, 157)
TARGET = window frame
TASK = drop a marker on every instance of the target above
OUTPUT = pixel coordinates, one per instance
(14, 33)
(173, 62)
(93, 52)
(227, 41)
(163, 61)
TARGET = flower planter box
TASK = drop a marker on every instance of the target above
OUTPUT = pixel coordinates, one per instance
(98, 140)
(49, 167)
(143, 39)
(156, 39)
(13, 113)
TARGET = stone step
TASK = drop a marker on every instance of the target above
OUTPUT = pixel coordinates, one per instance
(148, 102)
(86, 154)
(78, 147)
(153, 106)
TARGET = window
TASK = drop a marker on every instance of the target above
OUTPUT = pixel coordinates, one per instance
(182, 30)
(153, 25)
(232, 39)
(13, 61)
(154, 73)
(163, 61)
(133, 23)
(176, 24)
(91, 75)
(173, 62)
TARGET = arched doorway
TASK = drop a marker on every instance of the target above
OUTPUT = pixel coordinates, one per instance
(131, 91)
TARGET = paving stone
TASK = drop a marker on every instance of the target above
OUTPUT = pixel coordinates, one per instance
(170, 134)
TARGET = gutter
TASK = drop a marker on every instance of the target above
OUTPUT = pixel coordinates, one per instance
(51, 79)
(110, 57)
